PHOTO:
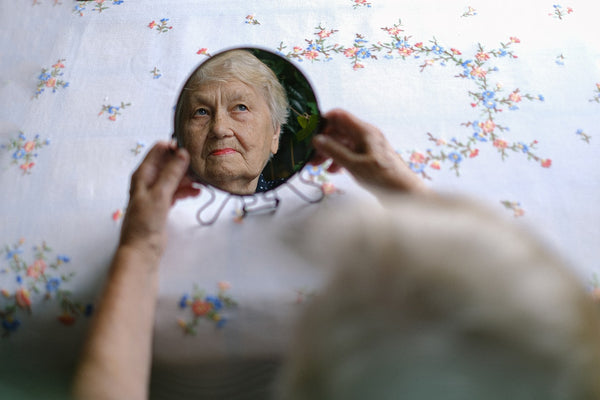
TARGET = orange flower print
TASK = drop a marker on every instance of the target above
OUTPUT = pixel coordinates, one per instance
(23, 299)
(328, 188)
(66, 319)
(201, 308)
(28, 146)
(501, 144)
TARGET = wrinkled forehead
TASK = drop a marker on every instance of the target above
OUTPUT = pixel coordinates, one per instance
(222, 91)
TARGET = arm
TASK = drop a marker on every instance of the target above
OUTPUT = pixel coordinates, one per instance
(115, 362)
(362, 149)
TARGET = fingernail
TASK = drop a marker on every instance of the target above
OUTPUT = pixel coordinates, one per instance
(180, 153)
(320, 139)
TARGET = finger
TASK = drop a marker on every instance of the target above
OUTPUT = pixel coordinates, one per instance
(344, 124)
(185, 189)
(334, 168)
(317, 158)
(146, 173)
(340, 154)
(172, 171)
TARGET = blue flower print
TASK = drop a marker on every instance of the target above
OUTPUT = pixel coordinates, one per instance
(52, 285)
(455, 157)
(215, 301)
(363, 53)
(437, 49)
(183, 302)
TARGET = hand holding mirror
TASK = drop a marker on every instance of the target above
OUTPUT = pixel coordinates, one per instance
(247, 117)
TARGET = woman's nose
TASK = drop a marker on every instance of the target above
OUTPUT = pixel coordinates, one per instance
(221, 125)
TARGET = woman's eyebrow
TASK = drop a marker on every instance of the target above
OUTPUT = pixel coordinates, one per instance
(237, 96)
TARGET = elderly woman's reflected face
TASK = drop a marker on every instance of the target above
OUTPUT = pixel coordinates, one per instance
(228, 130)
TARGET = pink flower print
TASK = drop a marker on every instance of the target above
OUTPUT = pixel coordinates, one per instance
(435, 165)
(324, 34)
(357, 66)
(514, 39)
(117, 215)
(328, 188)
(418, 158)
(224, 285)
(405, 51)
(27, 166)
(23, 299)
(113, 117)
(58, 65)
(297, 49)
(515, 96)
(311, 55)
(478, 72)
(488, 126)
(455, 52)
(152, 24)
(28, 146)
(350, 52)
(51, 82)
(546, 163)
(202, 51)
(501, 144)
(36, 269)
(474, 153)
(482, 56)
(395, 31)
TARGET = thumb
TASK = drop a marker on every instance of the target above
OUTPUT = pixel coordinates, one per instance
(172, 172)
(333, 149)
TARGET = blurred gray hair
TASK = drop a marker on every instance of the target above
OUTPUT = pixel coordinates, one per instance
(440, 298)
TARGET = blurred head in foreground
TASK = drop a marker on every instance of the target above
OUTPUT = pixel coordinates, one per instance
(440, 299)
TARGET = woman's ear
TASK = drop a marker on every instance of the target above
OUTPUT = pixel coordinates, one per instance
(275, 140)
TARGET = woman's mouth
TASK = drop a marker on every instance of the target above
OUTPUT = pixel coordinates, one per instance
(222, 152)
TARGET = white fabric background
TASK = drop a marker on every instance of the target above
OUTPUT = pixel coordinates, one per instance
(81, 177)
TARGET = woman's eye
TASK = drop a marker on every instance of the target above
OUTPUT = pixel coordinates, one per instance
(201, 111)
(241, 107)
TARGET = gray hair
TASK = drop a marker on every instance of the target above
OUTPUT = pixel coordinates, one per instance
(243, 66)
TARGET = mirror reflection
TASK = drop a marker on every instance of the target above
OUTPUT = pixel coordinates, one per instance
(247, 117)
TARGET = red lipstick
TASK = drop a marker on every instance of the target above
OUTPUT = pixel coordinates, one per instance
(222, 152)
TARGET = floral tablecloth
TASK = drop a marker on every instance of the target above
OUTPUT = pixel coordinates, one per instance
(496, 100)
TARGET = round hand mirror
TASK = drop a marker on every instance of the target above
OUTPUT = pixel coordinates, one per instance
(247, 117)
